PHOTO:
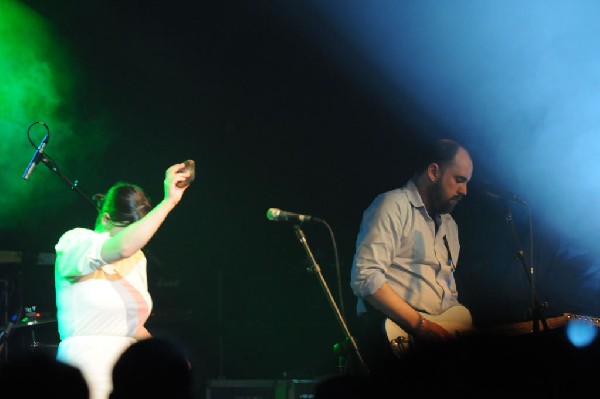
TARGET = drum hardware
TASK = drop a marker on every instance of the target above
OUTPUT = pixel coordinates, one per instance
(28, 316)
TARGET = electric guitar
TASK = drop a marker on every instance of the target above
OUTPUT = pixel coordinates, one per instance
(457, 320)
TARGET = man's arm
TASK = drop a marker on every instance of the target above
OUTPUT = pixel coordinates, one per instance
(396, 309)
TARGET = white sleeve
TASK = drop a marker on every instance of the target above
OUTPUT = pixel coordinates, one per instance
(78, 252)
(380, 233)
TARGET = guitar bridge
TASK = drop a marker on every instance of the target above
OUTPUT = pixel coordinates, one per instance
(400, 345)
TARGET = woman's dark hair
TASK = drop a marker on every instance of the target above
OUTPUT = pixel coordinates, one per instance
(125, 203)
(440, 151)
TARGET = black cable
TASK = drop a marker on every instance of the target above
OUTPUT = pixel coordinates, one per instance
(337, 266)
(29, 135)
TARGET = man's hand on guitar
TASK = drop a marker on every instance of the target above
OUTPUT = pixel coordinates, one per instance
(428, 330)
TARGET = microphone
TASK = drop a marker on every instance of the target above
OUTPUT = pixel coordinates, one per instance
(37, 156)
(277, 215)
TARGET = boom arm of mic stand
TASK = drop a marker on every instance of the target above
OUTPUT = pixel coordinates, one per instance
(73, 186)
(317, 270)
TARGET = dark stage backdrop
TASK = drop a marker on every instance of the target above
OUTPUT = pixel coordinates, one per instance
(271, 121)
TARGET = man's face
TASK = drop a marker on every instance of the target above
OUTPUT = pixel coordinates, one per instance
(451, 187)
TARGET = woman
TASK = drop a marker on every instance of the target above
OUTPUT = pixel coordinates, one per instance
(101, 283)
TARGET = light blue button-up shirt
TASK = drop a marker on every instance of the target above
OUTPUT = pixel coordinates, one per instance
(398, 243)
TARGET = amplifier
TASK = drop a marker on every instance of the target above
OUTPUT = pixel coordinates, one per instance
(260, 389)
(301, 389)
(11, 257)
(35, 258)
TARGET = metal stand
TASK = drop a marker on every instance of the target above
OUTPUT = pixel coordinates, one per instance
(317, 270)
(40, 156)
(5, 335)
(74, 186)
(220, 323)
(537, 308)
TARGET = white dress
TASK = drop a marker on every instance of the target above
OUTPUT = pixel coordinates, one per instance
(100, 307)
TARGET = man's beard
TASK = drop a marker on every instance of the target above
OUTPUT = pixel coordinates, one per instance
(439, 203)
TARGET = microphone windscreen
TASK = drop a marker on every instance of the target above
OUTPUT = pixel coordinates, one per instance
(273, 213)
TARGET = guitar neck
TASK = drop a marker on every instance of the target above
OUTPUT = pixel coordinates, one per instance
(526, 327)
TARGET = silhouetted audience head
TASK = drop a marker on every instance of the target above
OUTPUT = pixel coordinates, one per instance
(38, 375)
(152, 368)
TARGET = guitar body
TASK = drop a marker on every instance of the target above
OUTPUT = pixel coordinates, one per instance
(456, 320)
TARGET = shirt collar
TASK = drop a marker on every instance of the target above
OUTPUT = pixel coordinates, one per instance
(415, 199)
(413, 194)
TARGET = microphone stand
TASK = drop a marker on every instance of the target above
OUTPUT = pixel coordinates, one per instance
(74, 186)
(5, 335)
(537, 307)
(317, 270)
(40, 156)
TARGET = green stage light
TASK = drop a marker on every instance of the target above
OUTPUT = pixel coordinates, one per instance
(38, 82)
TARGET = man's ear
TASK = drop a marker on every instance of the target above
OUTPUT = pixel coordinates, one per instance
(433, 172)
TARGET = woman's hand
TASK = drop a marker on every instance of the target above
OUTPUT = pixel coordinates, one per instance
(175, 174)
